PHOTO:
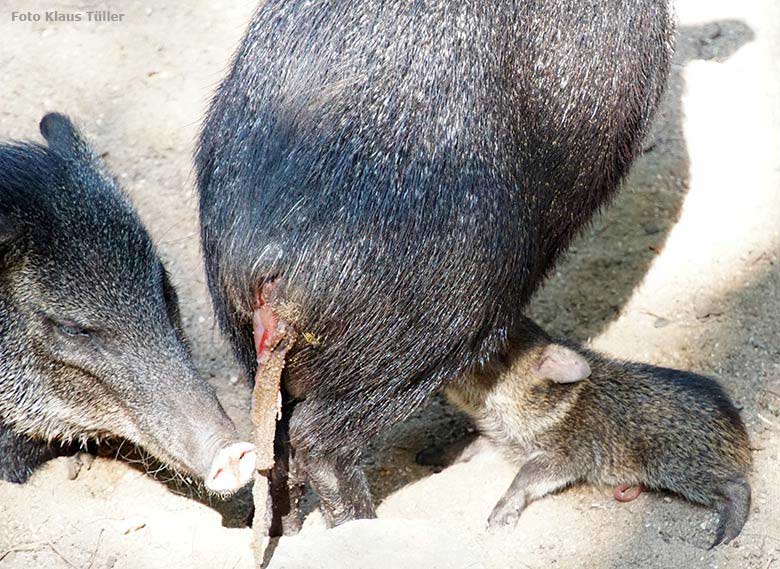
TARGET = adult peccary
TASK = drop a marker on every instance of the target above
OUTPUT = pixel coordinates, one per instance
(91, 344)
(402, 176)
(627, 424)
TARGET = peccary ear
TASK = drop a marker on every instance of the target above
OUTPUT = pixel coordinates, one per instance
(65, 141)
(562, 365)
(63, 138)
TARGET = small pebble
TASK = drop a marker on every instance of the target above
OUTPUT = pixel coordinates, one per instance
(758, 344)
(703, 311)
(661, 322)
(131, 525)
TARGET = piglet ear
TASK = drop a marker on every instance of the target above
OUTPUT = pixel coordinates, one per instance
(562, 365)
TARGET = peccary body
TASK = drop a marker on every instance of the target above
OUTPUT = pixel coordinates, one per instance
(627, 423)
(407, 173)
(91, 344)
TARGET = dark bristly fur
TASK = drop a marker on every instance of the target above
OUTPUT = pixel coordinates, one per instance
(408, 172)
(627, 423)
(90, 336)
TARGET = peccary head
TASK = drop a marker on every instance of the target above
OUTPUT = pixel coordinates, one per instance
(91, 343)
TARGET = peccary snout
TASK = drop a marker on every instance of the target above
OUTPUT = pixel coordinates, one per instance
(188, 430)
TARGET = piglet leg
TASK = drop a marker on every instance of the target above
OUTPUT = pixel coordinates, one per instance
(273, 338)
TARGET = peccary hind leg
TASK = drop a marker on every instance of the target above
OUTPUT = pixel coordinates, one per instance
(733, 510)
(336, 477)
(286, 483)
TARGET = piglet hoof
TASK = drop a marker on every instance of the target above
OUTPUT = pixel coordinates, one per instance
(232, 468)
(77, 462)
(627, 493)
(504, 516)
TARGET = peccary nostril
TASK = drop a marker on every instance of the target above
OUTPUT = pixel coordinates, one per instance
(246, 465)
(232, 468)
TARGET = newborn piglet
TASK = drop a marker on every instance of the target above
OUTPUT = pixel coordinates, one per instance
(625, 424)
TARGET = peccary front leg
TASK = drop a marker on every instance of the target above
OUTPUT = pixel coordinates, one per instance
(336, 477)
(21, 455)
(539, 476)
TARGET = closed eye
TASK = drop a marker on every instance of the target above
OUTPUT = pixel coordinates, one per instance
(69, 330)
(72, 330)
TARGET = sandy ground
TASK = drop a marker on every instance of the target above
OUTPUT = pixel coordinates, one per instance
(681, 271)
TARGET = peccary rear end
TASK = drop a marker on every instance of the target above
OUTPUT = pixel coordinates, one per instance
(406, 174)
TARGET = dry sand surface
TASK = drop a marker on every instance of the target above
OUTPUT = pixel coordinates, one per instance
(683, 270)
